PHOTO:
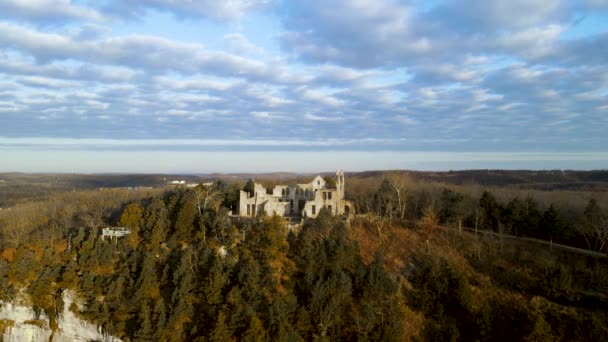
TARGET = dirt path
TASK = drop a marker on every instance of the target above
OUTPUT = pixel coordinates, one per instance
(542, 242)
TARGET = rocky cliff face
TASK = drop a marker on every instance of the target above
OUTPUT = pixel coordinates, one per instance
(19, 323)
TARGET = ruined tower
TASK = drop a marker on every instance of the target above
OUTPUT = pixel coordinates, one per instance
(340, 183)
(340, 190)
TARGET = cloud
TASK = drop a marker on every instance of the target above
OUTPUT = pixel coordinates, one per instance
(224, 10)
(345, 75)
(532, 43)
(148, 52)
(355, 33)
(241, 45)
(388, 34)
(320, 96)
(472, 16)
(47, 11)
(313, 117)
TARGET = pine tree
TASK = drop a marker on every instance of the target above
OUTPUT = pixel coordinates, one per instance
(255, 332)
(250, 187)
(490, 211)
(160, 228)
(221, 332)
(552, 225)
(147, 284)
(184, 224)
(146, 331)
(132, 217)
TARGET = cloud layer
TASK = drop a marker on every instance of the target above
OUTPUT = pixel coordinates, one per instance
(520, 75)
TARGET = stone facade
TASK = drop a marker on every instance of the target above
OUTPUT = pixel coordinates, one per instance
(114, 232)
(297, 200)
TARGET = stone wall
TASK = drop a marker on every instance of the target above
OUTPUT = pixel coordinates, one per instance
(296, 200)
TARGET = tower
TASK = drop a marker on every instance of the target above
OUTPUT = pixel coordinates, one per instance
(340, 191)
(340, 183)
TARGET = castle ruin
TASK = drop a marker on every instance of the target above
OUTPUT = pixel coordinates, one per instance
(297, 200)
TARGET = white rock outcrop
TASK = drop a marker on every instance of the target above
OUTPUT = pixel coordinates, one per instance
(21, 325)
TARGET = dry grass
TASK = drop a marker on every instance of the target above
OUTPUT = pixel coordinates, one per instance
(8, 254)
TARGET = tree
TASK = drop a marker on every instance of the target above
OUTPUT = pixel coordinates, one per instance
(208, 196)
(132, 217)
(595, 226)
(514, 216)
(221, 332)
(429, 221)
(184, 223)
(452, 208)
(146, 330)
(255, 332)
(552, 225)
(147, 284)
(387, 203)
(490, 211)
(231, 196)
(330, 182)
(92, 218)
(250, 187)
(157, 222)
(531, 218)
(399, 183)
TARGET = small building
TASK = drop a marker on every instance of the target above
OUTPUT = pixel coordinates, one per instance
(297, 200)
(114, 232)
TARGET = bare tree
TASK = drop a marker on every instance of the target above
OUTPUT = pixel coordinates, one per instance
(595, 226)
(380, 224)
(400, 184)
(601, 233)
(205, 196)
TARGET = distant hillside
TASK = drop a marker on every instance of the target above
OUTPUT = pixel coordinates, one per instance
(16, 187)
(19, 187)
(542, 180)
(286, 176)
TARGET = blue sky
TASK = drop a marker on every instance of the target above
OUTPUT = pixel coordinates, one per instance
(270, 85)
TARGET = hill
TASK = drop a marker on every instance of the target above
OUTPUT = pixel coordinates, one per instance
(596, 180)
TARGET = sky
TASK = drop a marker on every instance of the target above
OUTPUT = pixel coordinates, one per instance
(304, 85)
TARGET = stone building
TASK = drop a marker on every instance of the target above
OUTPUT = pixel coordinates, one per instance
(114, 232)
(297, 200)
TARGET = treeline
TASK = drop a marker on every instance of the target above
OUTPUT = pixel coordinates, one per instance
(50, 219)
(398, 198)
(528, 179)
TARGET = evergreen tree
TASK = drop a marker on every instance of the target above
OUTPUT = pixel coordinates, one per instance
(184, 224)
(531, 219)
(490, 211)
(132, 217)
(450, 206)
(146, 330)
(552, 225)
(221, 332)
(255, 332)
(250, 187)
(514, 216)
(147, 284)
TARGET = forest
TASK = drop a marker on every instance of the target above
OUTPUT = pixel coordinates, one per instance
(415, 263)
